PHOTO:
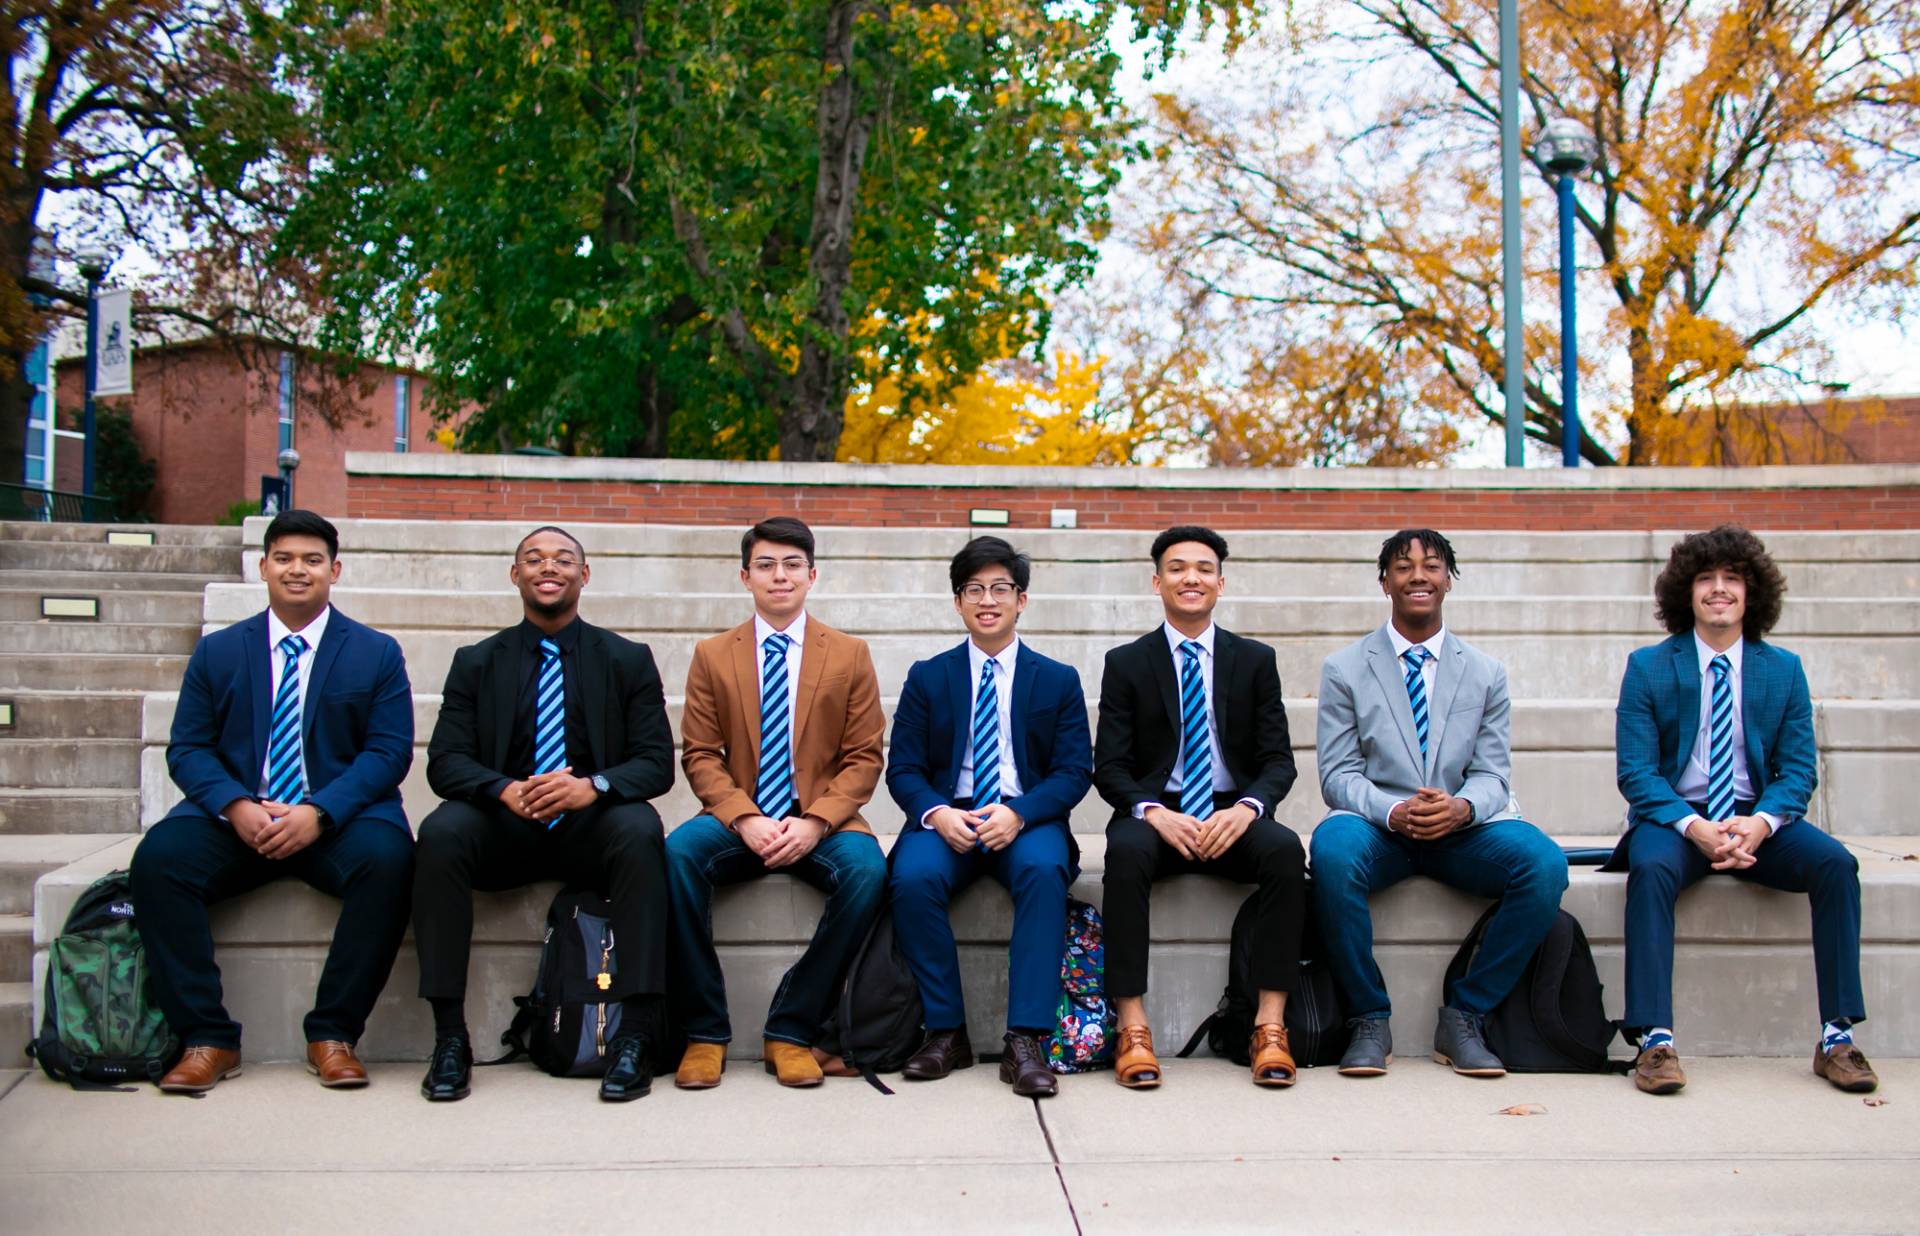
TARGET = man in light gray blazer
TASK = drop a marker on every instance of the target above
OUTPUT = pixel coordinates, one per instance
(1414, 757)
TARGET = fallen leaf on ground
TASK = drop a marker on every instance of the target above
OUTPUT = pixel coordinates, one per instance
(1874, 1102)
(1522, 1109)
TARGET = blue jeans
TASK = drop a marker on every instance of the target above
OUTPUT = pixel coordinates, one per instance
(1510, 860)
(927, 872)
(702, 855)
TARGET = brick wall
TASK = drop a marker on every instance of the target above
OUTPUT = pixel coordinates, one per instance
(692, 492)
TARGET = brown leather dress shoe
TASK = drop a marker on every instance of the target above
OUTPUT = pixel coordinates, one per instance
(1024, 1067)
(1272, 1061)
(1134, 1064)
(200, 1069)
(1657, 1070)
(701, 1066)
(334, 1063)
(1846, 1069)
(942, 1053)
(794, 1066)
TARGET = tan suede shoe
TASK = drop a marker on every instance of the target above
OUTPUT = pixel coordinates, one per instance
(1134, 1064)
(200, 1069)
(1272, 1061)
(794, 1066)
(701, 1066)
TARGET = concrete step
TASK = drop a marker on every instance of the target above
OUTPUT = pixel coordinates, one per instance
(24, 859)
(16, 948)
(43, 811)
(95, 671)
(92, 583)
(96, 534)
(16, 1023)
(70, 763)
(66, 638)
(1743, 971)
(71, 714)
(17, 555)
(20, 601)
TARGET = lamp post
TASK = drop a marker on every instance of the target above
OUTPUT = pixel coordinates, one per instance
(1566, 149)
(93, 264)
(1512, 276)
(289, 461)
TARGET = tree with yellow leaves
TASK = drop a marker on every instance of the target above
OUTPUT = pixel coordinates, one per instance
(1759, 166)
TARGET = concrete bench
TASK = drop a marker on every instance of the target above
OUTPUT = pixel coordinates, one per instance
(1744, 970)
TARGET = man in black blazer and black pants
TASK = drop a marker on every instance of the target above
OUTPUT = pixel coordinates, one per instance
(1193, 754)
(552, 736)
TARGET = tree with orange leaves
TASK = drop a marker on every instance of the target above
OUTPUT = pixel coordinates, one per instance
(1759, 166)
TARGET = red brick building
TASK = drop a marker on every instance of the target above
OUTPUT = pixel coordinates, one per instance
(213, 416)
(1841, 431)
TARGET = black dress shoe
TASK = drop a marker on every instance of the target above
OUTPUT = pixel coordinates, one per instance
(450, 1072)
(942, 1053)
(1024, 1066)
(629, 1072)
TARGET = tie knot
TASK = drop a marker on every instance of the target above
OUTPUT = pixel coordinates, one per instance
(986, 670)
(549, 649)
(293, 645)
(1721, 666)
(1191, 647)
(777, 642)
(1416, 656)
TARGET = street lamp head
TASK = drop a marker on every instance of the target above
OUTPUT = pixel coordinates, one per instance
(289, 460)
(1565, 147)
(93, 261)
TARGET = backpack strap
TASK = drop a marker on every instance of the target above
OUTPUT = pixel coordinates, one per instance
(514, 1037)
(1198, 1036)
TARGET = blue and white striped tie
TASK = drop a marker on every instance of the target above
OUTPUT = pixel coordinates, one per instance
(773, 787)
(550, 717)
(1720, 742)
(1415, 657)
(286, 781)
(986, 741)
(1196, 754)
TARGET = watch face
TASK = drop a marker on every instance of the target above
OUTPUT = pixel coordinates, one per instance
(600, 783)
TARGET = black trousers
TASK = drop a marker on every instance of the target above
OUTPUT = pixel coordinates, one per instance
(186, 863)
(1268, 854)
(617, 851)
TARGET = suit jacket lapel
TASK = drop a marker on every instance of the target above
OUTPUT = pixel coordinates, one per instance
(1026, 667)
(1447, 672)
(1393, 684)
(1160, 658)
(259, 691)
(593, 666)
(813, 666)
(1686, 681)
(746, 685)
(1756, 683)
(1226, 647)
(338, 633)
(960, 704)
(496, 725)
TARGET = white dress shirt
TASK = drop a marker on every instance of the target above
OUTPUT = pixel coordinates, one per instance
(277, 631)
(1003, 663)
(1429, 673)
(1693, 775)
(796, 632)
(1221, 780)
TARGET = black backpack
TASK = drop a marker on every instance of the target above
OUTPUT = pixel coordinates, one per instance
(566, 1022)
(1553, 1020)
(875, 1024)
(1317, 1031)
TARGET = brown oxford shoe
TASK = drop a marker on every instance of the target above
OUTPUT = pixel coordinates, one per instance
(200, 1069)
(942, 1053)
(1846, 1069)
(1134, 1064)
(1272, 1060)
(1657, 1070)
(1024, 1067)
(334, 1063)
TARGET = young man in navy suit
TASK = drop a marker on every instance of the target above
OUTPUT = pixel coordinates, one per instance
(293, 730)
(991, 750)
(1715, 755)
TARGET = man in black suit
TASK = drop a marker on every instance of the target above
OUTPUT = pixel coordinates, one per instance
(552, 736)
(1193, 754)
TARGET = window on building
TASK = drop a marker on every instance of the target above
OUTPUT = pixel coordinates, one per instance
(39, 445)
(286, 400)
(402, 392)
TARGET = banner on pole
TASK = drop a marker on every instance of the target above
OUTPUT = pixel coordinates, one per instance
(113, 373)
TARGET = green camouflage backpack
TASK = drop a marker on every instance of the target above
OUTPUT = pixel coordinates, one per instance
(100, 1025)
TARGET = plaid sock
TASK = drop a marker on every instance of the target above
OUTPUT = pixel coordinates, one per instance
(1834, 1033)
(1659, 1036)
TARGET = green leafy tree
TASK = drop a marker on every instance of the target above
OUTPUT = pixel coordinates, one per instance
(641, 227)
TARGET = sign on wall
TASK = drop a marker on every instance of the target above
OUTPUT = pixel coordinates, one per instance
(114, 344)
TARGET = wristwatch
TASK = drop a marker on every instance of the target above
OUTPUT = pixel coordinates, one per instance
(600, 784)
(320, 814)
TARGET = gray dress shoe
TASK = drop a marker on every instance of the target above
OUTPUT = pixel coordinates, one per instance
(1460, 1040)
(1371, 1049)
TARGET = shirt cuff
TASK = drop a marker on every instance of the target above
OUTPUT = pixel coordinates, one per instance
(1386, 821)
(1773, 821)
(1682, 825)
(926, 817)
(1259, 808)
(1140, 809)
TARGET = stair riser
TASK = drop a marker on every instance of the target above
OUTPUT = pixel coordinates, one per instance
(75, 716)
(179, 608)
(23, 815)
(53, 764)
(68, 638)
(96, 534)
(43, 672)
(170, 559)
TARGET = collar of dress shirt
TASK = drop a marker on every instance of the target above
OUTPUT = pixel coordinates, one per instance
(1401, 643)
(1175, 639)
(278, 630)
(796, 631)
(568, 637)
(977, 657)
(1706, 653)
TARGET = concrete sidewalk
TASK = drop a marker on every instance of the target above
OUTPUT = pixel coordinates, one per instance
(1751, 1145)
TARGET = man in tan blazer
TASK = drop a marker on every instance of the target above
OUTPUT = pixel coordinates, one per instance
(781, 739)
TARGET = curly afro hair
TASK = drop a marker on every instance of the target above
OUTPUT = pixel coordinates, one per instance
(1730, 546)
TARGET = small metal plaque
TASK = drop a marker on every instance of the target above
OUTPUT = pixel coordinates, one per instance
(130, 538)
(6, 714)
(84, 608)
(986, 516)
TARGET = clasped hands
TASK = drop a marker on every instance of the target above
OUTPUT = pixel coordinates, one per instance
(541, 798)
(994, 826)
(1201, 839)
(781, 843)
(1429, 815)
(1729, 844)
(274, 830)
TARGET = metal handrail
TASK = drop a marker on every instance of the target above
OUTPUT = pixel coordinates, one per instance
(58, 505)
